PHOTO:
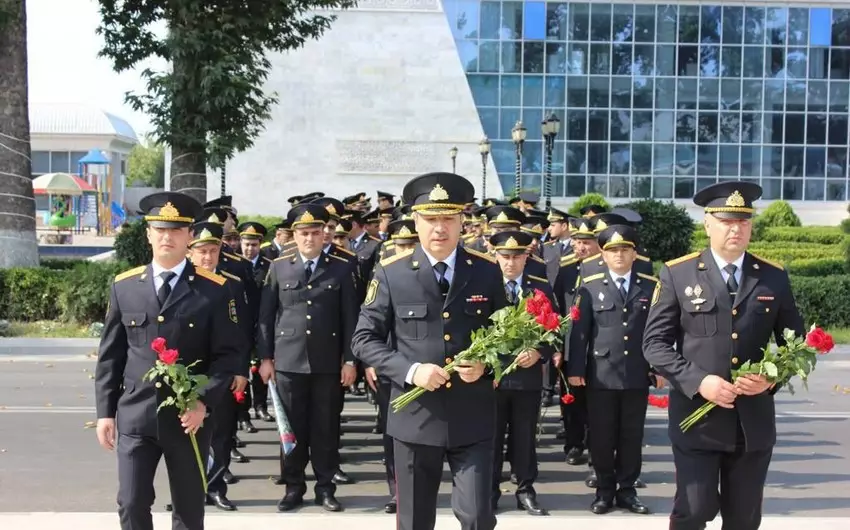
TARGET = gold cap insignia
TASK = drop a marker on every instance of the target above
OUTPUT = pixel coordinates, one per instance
(511, 243)
(601, 225)
(438, 194)
(307, 217)
(205, 234)
(583, 228)
(616, 238)
(501, 218)
(340, 229)
(404, 232)
(537, 228)
(169, 211)
(736, 200)
(251, 230)
(407, 217)
(330, 208)
(214, 219)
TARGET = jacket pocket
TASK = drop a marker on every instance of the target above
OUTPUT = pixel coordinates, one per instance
(411, 321)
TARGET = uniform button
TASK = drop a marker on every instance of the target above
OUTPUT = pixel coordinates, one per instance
(767, 310)
(734, 360)
(448, 385)
(309, 317)
(626, 337)
(309, 286)
(446, 314)
(625, 310)
(447, 337)
(625, 323)
(333, 334)
(160, 318)
(132, 322)
(478, 312)
(626, 352)
(734, 312)
(191, 325)
(448, 360)
(734, 336)
(410, 313)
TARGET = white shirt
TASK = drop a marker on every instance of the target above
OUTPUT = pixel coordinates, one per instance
(565, 243)
(326, 249)
(314, 260)
(157, 270)
(615, 277)
(450, 272)
(739, 263)
(357, 240)
(517, 287)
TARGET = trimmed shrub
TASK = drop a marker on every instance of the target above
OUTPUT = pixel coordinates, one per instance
(825, 235)
(86, 291)
(586, 200)
(131, 244)
(845, 226)
(823, 300)
(817, 267)
(269, 221)
(666, 229)
(778, 213)
(32, 294)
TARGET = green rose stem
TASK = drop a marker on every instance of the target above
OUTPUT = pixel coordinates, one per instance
(198, 459)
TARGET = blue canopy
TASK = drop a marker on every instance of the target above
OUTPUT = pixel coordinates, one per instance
(94, 157)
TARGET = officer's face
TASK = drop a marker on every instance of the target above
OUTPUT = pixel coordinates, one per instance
(169, 244)
(384, 203)
(205, 256)
(730, 236)
(232, 242)
(558, 230)
(477, 229)
(310, 241)
(329, 232)
(511, 264)
(250, 247)
(439, 234)
(372, 228)
(619, 259)
(384, 225)
(585, 247)
(282, 236)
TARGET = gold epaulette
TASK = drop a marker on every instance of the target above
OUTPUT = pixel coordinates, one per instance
(769, 262)
(340, 258)
(373, 238)
(481, 255)
(233, 256)
(682, 259)
(345, 250)
(537, 278)
(647, 277)
(267, 259)
(594, 257)
(388, 246)
(266, 244)
(568, 260)
(213, 277)
(550, 242)
(597, 276)
(535, 257)
(231, 276)
(130, 273)
(643, 258)
(393, 259)
(287, 256)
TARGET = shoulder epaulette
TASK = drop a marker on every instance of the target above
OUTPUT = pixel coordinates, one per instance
(769, 262)
(568, 260)
(643, 258)
(538, 259)
(340, 258)
(537, 278)
(592, 277)
(550, 242)
(683, 259)
(204, 273)
(393, 259)
(647, 277)
(266, 244)
(265, 258)
(596, 256)
(287, 256)
(233, 256)
(130, 273)
(345, 250)
(388, 246)
(231, 276)
(481, 255)
(373, 238)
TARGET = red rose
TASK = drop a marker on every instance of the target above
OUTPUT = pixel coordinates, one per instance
(239, 395)
(255, 369)
(820, 340)
(545, 306)
(566, 399)
(541, 319)
(661, 402)
(553, 322)
(169, 356)
(575, 314)
(532, 307)
(158, 345)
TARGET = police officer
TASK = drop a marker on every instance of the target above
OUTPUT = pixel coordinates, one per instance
(429, 299)
(251, 235)
(385, 200)
(282, 235)
(559, 232)
(518, 393)
(308, 311)
(595, 264)
(195, 313)
(592, 210)
(605, 356)
(713, 311)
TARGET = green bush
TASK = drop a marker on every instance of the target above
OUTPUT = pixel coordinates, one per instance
(666, 228)
(817, 267)
(60, 264)
(86, 291)
(825, 235)
(32, 293)
(778, 213)
(268, 221)
(845, 226)
(131, 244)
(823, 300)
(586, 200)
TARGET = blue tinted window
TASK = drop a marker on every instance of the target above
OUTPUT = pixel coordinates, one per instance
(820, 27)
(534, 20)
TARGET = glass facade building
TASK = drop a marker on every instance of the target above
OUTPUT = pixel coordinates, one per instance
(660, 100)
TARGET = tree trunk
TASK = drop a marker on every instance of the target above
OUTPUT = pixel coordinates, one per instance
(18, 245)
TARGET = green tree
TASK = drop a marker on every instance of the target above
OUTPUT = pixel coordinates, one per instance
(211, 104)
(146, 164)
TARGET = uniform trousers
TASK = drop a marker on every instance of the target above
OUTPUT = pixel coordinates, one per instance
(223, 432)
(420, 470)
(259, 394)
(138, 458)
(383, 396)
(311, 402)
(574, 417)
(518, 409)
(616, 419)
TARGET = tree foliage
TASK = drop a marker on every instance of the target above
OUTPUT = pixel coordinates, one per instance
(586, 200)
(666, 229)
(131, 244)
(146, 164)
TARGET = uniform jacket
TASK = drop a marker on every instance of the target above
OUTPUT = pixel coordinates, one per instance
(246, 316)
(306, 326)
(270, 250)
(198, 319)
(694, 330)
(367, 255)
(239, 266)
(559, 248)
(567, 282)
(404, 303)
(606, 343)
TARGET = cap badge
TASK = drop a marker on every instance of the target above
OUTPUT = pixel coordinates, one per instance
(307, 217)
(438, 194)
(214, 219)
(405, 232)
(501, 218)
(251, 230)
(601, 225)
(616, 238)
(736, 200)
(168, 210)
(330, 208)
(205, 234)
(511, 243)
(340, 229)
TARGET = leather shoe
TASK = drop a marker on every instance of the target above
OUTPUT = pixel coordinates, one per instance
(633, 504)
(561, 434)
(529, 504)
(278, 481)
(248, 427)
(328, 502)
(640, 483)
(229, 478)
(514, 480)
(289, 502)
(239, 458)
(391, 507)
(169, 507)
(265, 416)
(601, 506)
(341, 478)
(575, 457)
(237, 442)
(221, 502)
(591, 481)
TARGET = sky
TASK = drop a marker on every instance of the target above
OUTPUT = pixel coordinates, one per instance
(63, 62)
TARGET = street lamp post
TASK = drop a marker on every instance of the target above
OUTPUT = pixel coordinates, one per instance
(551, 127)
(453, 154)
(518, 136)
(223, 178)
(484, 149)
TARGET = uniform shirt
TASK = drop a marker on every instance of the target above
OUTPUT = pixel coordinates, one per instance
(304, 259)
(616, 279)
(517, 287)
(158, 270)
(357, 241)
(450, 270)
(564, 243)
(739, 264)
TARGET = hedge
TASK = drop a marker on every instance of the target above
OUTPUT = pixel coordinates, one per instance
(823, 300)
(825, 235)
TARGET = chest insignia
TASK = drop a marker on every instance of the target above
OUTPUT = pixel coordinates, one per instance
(689, 291)
(477, 298)
(601, 296)
(765, 298)
(231, 306)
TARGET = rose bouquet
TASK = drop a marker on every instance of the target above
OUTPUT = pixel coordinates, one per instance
(797, 357)
(184, 385)
(515, 329)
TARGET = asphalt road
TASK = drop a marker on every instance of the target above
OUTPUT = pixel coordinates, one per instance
(50, 460)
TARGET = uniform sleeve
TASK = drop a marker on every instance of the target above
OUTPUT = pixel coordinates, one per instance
(111, 359)
(579, 336)
(227, 353)
(350, 299)
(660, 335)
(267, 315)
(789, 318)
(246, 324)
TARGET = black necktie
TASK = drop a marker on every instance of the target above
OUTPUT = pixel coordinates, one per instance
(441, 269)
(164, 289)
(510, 290)
(621, 282)
(308, 270)
(731, 282)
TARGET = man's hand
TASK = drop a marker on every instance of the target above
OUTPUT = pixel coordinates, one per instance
(267, 370)
(106, 433)
(193, 419)
(576, 381)
(372, 378)
(470, 373)
(751, 385)
(348, 375)
(660, 382)
(718, 390)
(239, 384)
(430, 377)
(528, 358)
(557, 359)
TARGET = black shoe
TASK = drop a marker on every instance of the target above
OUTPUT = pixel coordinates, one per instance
(591, 481)
(575, 457)
(328, 502)
(601, 506)
(633, 504)
(278, 481)
(221, 502)
(391, 507)
(169, 507)
(341, 478)
(254, 414)
(237, 442)
(547, 401)
(289, 502)
(377, 430)
(561, 434)
(639, 483)
(239, 458)
(248, 427)
(514, 480)
(229, 478)
(356, 391)
(529, 504)
(265, 416)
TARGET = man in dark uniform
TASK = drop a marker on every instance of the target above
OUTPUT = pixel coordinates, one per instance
(251, 234)
(537, 224)
(595, 264)
(559, 232)
(308, 311)
(385, 200)
(605, 356)
(282, 235)
(429, 299)
(518, 393)
(194, 312)
(713, 311)
(592, 210)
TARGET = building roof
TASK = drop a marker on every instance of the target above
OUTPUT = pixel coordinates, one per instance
(69, 118)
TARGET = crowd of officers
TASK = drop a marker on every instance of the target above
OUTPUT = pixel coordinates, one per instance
(296, 300)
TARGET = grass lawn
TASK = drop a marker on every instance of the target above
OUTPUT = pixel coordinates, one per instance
(840, 335)
(48, 329)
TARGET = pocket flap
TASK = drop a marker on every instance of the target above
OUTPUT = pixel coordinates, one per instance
(287, 286)
(286, 332)
(700, 306)
(601, 352)
(603, 305)
(134, 320)
(415, 311)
